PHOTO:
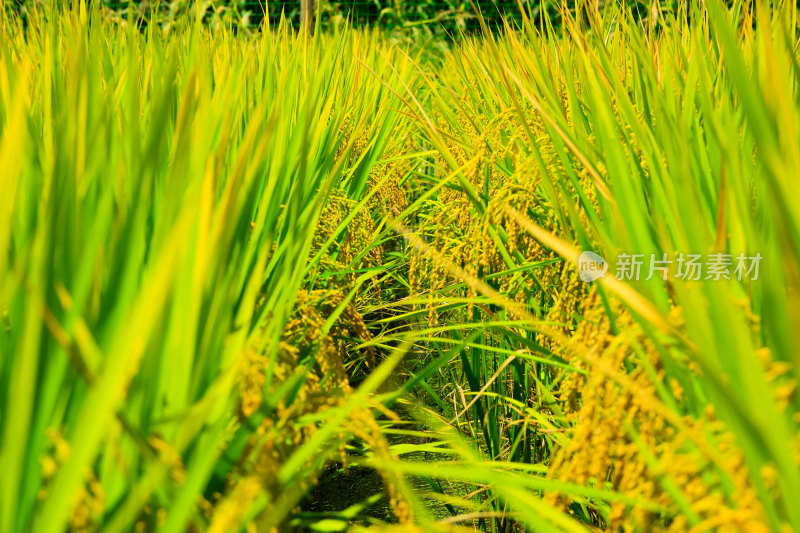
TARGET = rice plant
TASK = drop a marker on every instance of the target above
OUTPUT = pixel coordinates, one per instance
(274, 281)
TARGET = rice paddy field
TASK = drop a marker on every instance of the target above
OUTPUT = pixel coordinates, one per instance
(539, 278)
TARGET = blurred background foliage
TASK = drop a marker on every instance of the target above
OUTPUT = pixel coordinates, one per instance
(415, 18)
